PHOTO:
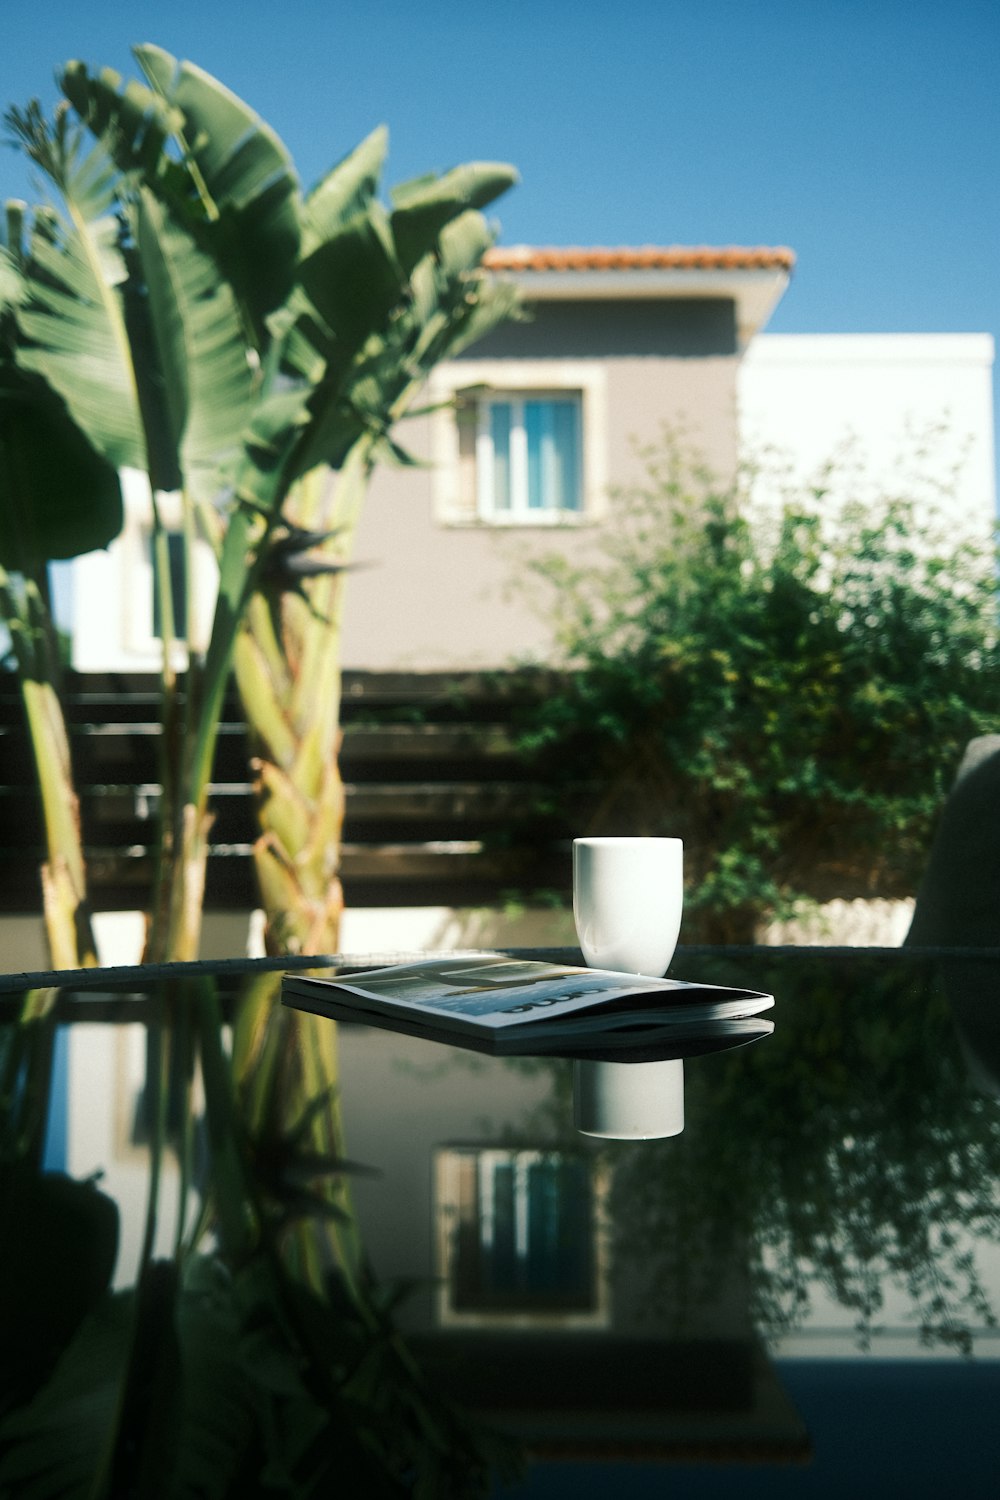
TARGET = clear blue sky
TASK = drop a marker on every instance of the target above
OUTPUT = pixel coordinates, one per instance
(865, 134)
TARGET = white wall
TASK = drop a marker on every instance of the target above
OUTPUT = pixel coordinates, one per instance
(910, 402)
(107, 604)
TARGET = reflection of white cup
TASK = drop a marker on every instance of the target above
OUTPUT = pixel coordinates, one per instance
(628, 895)
(629, 1101)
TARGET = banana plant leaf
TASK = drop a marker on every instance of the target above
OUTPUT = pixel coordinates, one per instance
(140, 337)
(422, 207)
(11, 282)
(235, 176)
(345, 192)
(208, 385)
(221, 1384)
(58, 497)
(353, 280)
(72, 317)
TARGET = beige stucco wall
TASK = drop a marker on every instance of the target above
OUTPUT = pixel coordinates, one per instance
(429, 594)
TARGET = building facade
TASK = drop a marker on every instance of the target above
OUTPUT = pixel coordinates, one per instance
(523, 439)
(521, 442)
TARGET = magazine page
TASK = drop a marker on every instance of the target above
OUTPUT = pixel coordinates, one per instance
(499, 992)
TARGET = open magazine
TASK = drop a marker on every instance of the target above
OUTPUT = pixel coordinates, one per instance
(510, 1005)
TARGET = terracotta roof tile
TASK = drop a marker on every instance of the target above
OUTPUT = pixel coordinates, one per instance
(643, 258)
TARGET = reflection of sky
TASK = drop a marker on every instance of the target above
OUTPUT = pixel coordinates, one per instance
(61, 579)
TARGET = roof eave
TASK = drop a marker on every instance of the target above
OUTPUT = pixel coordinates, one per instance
(756, 291)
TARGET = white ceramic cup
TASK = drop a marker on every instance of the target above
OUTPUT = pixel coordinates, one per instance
(628, 895)
(629, 1101)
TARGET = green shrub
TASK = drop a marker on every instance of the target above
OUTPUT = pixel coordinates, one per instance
(786, 685)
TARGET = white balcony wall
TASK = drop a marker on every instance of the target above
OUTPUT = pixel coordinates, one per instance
(906, 405)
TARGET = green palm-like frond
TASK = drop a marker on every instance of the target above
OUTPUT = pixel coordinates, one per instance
(208, 384)
(12, 287)
(422, 207)
(345, 192)
(72, 316)
(134, 123)
(234, 184)
(349, 286)
(349, 277)
(58, 497)
(360, 332)
(245, 175)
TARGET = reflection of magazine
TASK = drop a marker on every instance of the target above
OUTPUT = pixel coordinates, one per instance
(514, 1005)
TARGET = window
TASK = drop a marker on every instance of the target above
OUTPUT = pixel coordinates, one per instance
(528, 456)
(519, 442)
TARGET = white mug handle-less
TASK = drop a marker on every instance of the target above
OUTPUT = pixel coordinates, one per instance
(628, 896)
(628, 1101)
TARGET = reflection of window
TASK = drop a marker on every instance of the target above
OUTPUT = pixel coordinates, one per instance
(528, 456)
(520, 1237)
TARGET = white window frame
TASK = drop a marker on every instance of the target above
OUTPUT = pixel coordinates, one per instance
(519, 510)
(467, 380)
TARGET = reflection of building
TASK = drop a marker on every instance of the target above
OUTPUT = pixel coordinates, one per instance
(521, 1303)
(595, 1299)
(520, 1240)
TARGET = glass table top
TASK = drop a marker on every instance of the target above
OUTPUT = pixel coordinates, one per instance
(246, 1251)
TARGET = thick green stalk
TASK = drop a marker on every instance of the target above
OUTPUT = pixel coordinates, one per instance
(65, 908)
(285, 1068)
(287, 661)
(163, 873)
(190, 744)
(64, 884)
(320, 1066)
(157, 1086)
(238, 1220)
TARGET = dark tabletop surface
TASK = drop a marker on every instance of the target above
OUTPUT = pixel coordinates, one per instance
(248, 1252)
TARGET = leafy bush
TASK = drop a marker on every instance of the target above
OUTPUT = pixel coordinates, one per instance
(787, 684)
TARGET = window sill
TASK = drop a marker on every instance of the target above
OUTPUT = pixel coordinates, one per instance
(554, 522)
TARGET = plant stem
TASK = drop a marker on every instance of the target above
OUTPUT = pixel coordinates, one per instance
(64, 885)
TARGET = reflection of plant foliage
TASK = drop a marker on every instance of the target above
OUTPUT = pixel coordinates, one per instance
(748, 679)
(236, 1386)
(26, 1053)
(270, 1365)
(845, 1155)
